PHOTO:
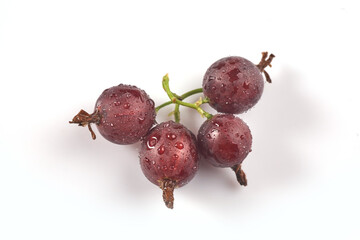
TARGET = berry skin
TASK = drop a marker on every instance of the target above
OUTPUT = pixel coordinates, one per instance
(123, 114)
(169, 157)
(234, 84)
(225, 141)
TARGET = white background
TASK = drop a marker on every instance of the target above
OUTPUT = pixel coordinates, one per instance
(56, 57)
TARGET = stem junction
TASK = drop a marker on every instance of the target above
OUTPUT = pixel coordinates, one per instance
(178, 100)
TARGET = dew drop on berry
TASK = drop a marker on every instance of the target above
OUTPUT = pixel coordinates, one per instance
(126, 105)
(161, 149)
(150, 144)
(211, 78)
(117, 115)
(246, 85)
(179, 145)
(170, 136)
(141, 120)
(113, 95)
(117, 103)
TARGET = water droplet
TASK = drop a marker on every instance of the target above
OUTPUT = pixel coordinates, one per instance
(175, 157)
(150, 144)
(164, 167)
(153, 162)
(194, 167)
(113, 95)
(172, 167)
(246, 85)
(179, 145)
(126, 105)
(128, 95)
(141, 120)
(166, 125)
(117, 103)
(217, 124)
(146, 160)
(161, 149)
(211, 78)
(223, 89)
(170, 136)
(111, 124)
(117, 115)
(213, 88)
(208, 135)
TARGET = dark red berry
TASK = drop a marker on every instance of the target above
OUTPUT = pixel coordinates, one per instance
(234, 84)
(123, 114)
(225, 141)
(169, 158)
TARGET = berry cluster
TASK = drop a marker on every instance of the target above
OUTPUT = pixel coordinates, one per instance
(170, 153)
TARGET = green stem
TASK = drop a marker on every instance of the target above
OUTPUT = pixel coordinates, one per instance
(175, 100)
(182, 97)
(177, 113)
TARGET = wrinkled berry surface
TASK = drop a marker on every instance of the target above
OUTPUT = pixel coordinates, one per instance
(233, 85)
(127, 113)
(169, 152)
(224, 140)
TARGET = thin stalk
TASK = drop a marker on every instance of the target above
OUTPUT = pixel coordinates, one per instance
(182, 97)
(174, 99)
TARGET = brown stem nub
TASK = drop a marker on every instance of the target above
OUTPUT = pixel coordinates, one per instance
(168, 186)
(264, 62)
(240, 174)
(83, 118)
